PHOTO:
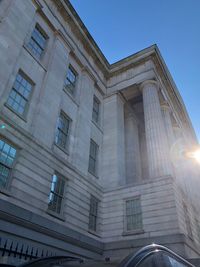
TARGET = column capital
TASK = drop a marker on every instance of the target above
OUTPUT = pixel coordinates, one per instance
(149, 82)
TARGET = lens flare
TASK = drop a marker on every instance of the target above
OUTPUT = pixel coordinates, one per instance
(194, 155)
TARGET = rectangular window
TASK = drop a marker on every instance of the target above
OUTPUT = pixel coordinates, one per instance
(95, 112)
(92, 168)
(70, 81)
(93, 214)
(62, 131)
(57, 193)
(197, 229)
(37, 41)
(133, 215)
(20, 94)
(7, 157)
(187, 221)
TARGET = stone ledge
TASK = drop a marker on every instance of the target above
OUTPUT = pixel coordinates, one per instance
(24, 218)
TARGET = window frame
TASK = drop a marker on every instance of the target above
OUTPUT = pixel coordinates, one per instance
(136, 230)
(68, 87)
(187, 220)
(50, 211)
(11, 168)
(44, 35)
(95, 172)
(93, 215)
(26, 107)
(66, 148)
(95, 99)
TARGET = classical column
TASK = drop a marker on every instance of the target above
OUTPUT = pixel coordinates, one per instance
(132, 148)
(156, 138)
(168, 122)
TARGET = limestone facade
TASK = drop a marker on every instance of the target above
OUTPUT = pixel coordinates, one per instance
(125, 128)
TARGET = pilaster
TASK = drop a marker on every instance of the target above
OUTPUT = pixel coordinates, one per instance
(113, 167)
(132, 148)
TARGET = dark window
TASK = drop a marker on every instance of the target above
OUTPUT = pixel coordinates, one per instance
(92, 168)
(62, 131)
(37, 41)
(56, 193)
(93, 214)
(70, 81)
(7, 157)
(20, 94)
(95, 112)
(133, 214)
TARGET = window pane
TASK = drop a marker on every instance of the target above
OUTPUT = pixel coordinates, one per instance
(70, 81)
(7, 156)
(4, 174)
(19, 94)
(56, 193)
(95, 113)
(37, 42)
(93, 214)
(92, 167)
(133, 214)
(62, 131)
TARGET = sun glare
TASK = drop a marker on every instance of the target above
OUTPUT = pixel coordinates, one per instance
(195, 155)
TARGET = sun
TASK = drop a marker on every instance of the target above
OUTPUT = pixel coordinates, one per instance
(195, 155)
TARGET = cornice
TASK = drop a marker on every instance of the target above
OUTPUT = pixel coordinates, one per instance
(110, 70)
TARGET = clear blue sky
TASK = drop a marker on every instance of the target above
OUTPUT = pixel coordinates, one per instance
(121, 28)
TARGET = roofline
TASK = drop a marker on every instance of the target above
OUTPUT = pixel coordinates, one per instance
(152, 50)
(85, 30)
(98, 50)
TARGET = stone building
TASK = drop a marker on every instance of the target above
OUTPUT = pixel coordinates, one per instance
(91, 158)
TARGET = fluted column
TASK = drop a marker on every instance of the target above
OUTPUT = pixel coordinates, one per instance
(168, 122)
(156, 138)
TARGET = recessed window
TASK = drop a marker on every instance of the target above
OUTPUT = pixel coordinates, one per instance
(62, 131)
(7, 157)
(95, 111)
(92, 168)
(20, 94)
(37, 41)
(93, 215)
(133, 215)
(70, 81)
(56, 193)
(197, 223)
(187, 220)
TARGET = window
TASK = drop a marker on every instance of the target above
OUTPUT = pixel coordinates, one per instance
(20, 94)
(93, 214)
(57, 193)
(197, 228)
(133, 215)
(7, 157)
(95, 112)
(92, 168)
(37, 42)
(62, 131)
(70, 81)
(187, 220)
